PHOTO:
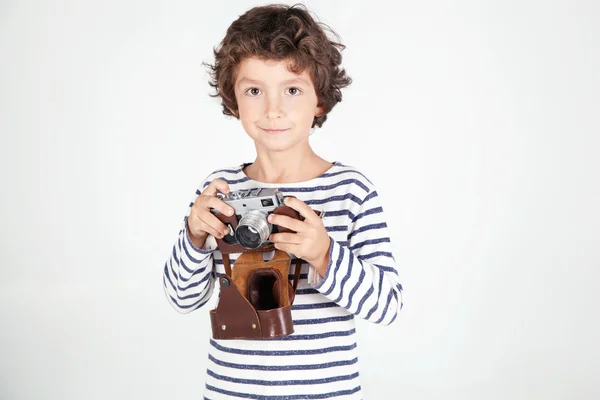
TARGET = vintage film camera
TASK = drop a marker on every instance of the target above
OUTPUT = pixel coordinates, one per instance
(251, 209)
(256, 295)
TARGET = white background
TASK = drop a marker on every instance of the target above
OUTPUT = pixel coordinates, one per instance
(477, 121)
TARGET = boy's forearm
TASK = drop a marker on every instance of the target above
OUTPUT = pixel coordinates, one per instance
(187, 273)
(372, 291)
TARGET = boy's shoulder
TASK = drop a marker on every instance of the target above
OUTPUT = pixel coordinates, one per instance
(349, 174)
(228, 173)
(353, 171)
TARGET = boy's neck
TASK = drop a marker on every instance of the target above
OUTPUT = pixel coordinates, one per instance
(283, 167)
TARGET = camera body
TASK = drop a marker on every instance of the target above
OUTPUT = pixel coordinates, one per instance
(248, 226)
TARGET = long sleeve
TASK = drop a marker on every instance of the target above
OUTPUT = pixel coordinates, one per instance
(362, 276)
(188, 277)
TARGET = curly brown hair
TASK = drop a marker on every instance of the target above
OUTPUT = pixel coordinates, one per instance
(280, 32)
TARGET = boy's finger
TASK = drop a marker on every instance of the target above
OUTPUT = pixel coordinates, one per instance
(210, 230)
(219, 205)
(286, 222)
(291, 238)
(288, 247)
(218, 228)
(308, 213)
(199, 224)
(217, 185)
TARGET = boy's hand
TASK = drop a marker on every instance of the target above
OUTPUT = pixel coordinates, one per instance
(311, 240)
(201, 221)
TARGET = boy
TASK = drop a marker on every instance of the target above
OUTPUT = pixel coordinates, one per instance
(278, 73)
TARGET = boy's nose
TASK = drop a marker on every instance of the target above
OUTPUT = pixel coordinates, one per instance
(273, 109)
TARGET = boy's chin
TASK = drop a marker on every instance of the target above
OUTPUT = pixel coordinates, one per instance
(277, 148)
(278, 145)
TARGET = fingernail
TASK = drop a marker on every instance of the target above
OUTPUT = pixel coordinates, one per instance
(225, 231)
(230, 212)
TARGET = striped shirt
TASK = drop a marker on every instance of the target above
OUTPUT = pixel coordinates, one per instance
(320, 359)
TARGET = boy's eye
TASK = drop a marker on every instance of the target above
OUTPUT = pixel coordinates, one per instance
(296, 91)
(251, 90)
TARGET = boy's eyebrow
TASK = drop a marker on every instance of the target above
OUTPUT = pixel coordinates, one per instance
(286, 82)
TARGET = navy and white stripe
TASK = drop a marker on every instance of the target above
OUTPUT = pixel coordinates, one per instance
(320, 360)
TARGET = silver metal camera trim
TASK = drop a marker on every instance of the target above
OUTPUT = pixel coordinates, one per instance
(255, 219)
(254, 199)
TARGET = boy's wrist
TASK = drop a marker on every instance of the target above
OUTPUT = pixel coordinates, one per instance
(322, 268)
(197, 240)
(322, 262)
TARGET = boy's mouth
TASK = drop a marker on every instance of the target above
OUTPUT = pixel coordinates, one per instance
(275, 131)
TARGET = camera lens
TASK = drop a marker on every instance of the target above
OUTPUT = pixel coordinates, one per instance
(253, 229)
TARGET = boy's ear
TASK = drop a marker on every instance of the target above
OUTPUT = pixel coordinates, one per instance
(234, 112)
(319, 111)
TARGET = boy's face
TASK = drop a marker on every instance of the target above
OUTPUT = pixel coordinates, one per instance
(271, 97)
